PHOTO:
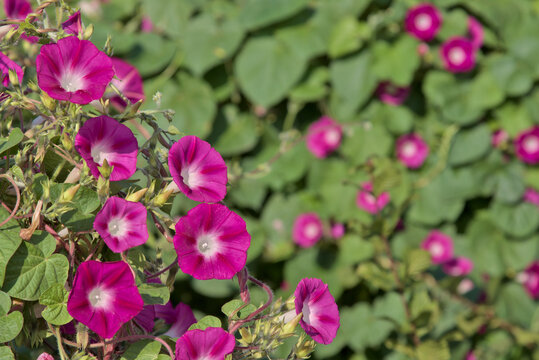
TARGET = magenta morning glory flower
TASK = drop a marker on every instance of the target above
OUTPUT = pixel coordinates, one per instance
(122, 224)
(499, 137)
(530, 279)
(320, 318)
(104, 296)
(458, 266)
(476, 32)
(458, 54)
(17, 9)
(323, 137)
(423, 21)
(209, 344)
(180, 318)
(146, 25)
(103, 138)
(45, 356)
(73, 25)
(366, 200)
(391, 94)
(146, 318)
(527, 145)
(439, 245)
(5, 65)
(412, 150)
(198, 169)
(211, 242)
(128, 81)
(307, 230)
(73, 70)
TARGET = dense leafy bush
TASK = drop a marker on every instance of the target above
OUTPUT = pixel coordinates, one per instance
(384, 147)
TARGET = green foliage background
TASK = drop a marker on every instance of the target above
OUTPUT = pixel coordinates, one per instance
(251, 75)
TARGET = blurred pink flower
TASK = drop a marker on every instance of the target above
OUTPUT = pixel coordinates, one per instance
(211, 242)
(307, 230)
(73, 70)
(73, 25)
(391, 94)
(45, 356)
(19, 10)
(458, 266)
(470, 356)
(499, 137)
(103, 138)
(104, 296)
(465, 285)
(122, 224)
(146, 25)
(412, 150)
(209, 344)
(180, 318)
(198, 169)
(458, 54)
(422, 49)
(532, 196)
(7, 64)
(337, 230)
(323, 137)
(476, 32)
(366, 200)
(527, 145)
(439, 245)
(423, 21)
(530, 279)
(320, 318)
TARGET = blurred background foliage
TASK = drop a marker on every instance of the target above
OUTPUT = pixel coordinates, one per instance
(250, 76)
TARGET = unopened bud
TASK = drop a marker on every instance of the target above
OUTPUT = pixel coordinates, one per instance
(103, 187)
(67, 143)
(136, 196)
(162, 198)
(88, 32)
(290, 327)
(82, 336)
(13, 78)
(304, 347)
(69, 194)
(132, 109)
(246, 336)
(49, 102)
(105, 169)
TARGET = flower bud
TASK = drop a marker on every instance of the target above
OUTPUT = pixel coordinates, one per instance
(290, 327)
(49, 102)
(13, 79)
(103, 187)
(136, 196)
(162, 198)
(82, 336)
(69, 194)
(105, 169)
(67, 142)
(304, 347)
(246, 336)
(88, 32)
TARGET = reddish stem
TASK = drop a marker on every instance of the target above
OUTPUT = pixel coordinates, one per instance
(17, 203)
(252, 316)
(151, 276)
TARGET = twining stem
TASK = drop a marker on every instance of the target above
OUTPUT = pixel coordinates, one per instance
(151, 276)
(161, 228)
(252, 316)
(400, 287)
(17, 203)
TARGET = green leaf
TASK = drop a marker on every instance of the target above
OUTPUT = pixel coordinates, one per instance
(14, 138)
(214, 288)
(6, 353)
(515, 305)
(10, 240)
(206, 322)
(366, 141)
(11, 325)
(207, 42)
(5, 303)
(345, 37)
(154, 294)
(168, 16)
(513, 76)
(86, 200)
(77, 221)
(151, 53)
(353, 249)
(232, 305)
(255, 13)
(266, 80)
(142, 350)
(417, 261)
(193, 103)
(30, 272)
(390, 307)
(240, 135)
(353, 83)
(313, 88)
(519, 220)
(433, 350)
(396, 62)
(55, 298)
(470, 145)
(373, 331)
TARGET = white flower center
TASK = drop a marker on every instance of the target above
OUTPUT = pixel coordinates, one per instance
(371, 200)
(332, 137)
(117, 227)
(99, 153)
(100, 298)
(207, 244)
(531, 144)
(311, 230)
(436, 249)
(190, 178)
(308, 316)
(457, 55)
(72, 81)
(423, 22)
(409, 149)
